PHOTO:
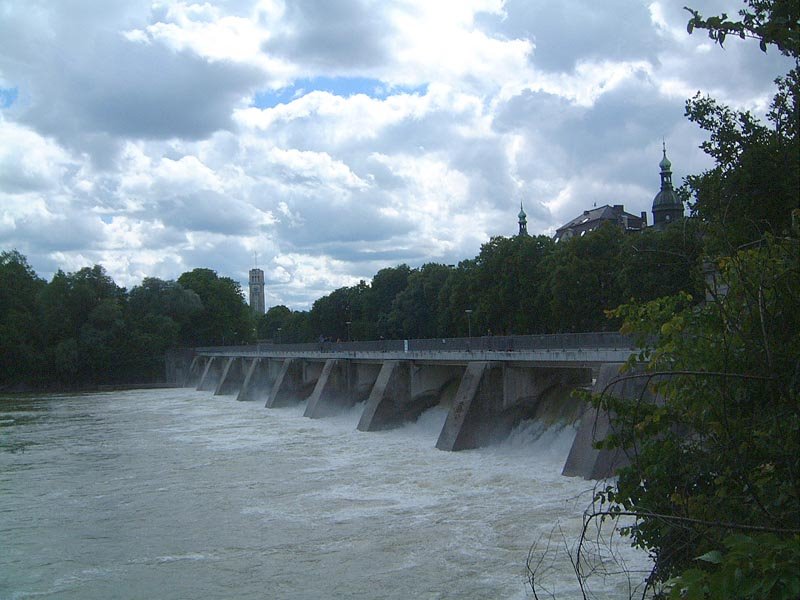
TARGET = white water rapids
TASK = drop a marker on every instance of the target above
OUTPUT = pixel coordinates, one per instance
(179, 494)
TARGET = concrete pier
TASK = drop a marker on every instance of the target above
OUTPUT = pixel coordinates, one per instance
(584, 459)
(294, 382)
(385, 405)
(341, 384)
(212, 372)
(231, 378)
(488, 390)
(465, 427)
(259, 377)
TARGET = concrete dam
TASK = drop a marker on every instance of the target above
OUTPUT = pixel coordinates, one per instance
(488, 385)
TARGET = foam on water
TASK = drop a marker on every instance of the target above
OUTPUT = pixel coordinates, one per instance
(177, 493)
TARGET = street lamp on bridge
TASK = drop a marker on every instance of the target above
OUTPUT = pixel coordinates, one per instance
(469, 322)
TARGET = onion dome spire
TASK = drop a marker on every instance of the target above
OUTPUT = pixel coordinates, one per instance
(667, 206)
(523, 221)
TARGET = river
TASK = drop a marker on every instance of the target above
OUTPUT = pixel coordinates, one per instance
(179, 494)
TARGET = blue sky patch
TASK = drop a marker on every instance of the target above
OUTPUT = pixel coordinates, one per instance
(8, 96)
(340, 86)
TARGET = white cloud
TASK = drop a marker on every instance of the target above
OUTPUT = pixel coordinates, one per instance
(439, 41)
(133, 139)
(28, 160)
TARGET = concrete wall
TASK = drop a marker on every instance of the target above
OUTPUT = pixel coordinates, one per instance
(233, 374)
(211, 373)
(177, 365)
(403, 390)
(295, 382)
(584, 459)
(340, 385)
(486, 399)
(260, 376)
(493, 398)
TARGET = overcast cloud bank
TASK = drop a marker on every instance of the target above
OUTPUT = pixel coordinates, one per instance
(334, 138)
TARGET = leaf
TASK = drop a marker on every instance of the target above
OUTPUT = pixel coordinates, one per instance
(713, 556)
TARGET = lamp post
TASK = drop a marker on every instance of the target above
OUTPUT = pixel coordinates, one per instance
(469, 322)
(348, 323)
(279, 334)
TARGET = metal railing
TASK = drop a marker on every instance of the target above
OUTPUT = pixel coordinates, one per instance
(507, 343)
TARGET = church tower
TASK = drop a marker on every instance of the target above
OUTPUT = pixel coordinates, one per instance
(523, 221)
(257, 304)
(667, 207)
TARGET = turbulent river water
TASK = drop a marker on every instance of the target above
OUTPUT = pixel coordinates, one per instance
(179, 494)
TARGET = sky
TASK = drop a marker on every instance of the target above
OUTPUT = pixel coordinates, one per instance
(323, 140)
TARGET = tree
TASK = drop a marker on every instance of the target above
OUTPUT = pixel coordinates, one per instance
(225, 317)
(414, 309)
(298, 328)
(714, 480)
(721, 454)
(532, 314)
(275, 319)
(583, 280)
(655, 263)
(458, 294)
(83, 327)
(158, 312)
(753, 186)
(383, 290)
(771, 22)
(331, 314)
(164, 298)
(19, 323)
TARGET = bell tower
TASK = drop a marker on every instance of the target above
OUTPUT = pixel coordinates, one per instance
(257, 304)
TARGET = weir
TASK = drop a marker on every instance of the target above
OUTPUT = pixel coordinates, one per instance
(487, 388)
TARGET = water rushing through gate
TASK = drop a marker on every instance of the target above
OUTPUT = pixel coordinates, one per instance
(178, 494)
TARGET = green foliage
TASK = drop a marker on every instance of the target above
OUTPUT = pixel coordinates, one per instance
(274, 320)
(83, 326)
(224, 318)
(751, 567)
(654, 264)
(386, 285)
(285, 326)
(415, 309)
(769, 21)
(517, 285)
(584, 282)
(714, 479)
(19, 323)
(722, 451)
(753, 187)
(159, 316)
(509, 275)
(331, 314)
(754, 184)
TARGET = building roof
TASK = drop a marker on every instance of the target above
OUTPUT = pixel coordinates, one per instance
(593, 218)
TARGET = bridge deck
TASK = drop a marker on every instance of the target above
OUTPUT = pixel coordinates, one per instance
(566, 357)
(571, 349)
